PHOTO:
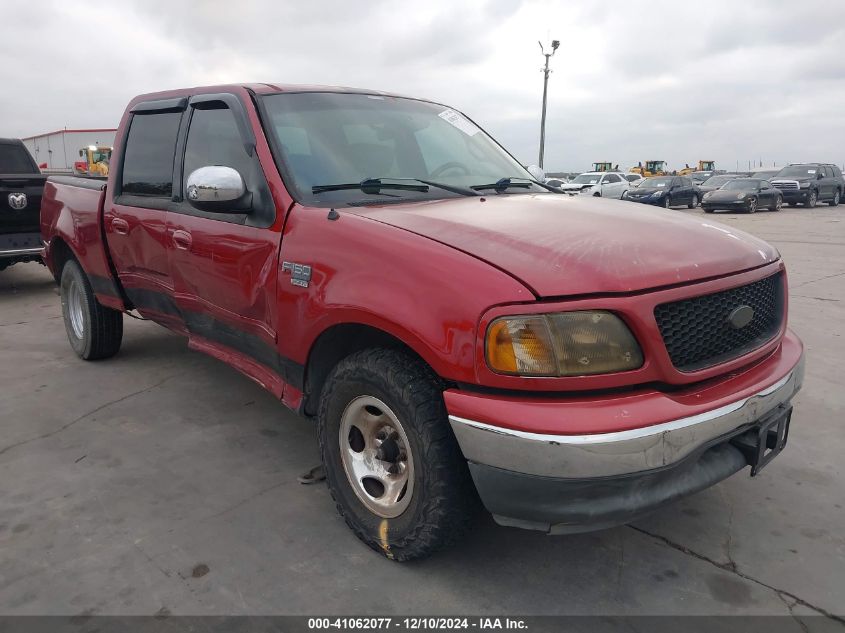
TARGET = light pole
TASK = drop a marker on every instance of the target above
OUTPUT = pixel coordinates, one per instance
(546, 71)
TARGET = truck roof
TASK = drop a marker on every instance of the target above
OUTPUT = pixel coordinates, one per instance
(258, 88)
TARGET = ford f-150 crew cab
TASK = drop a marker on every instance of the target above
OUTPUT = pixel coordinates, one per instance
(458, 330)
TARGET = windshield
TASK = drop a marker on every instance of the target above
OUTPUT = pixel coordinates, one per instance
(799, 171)
(656, 182)
(740, 185)
(701, 176)
(327, 138)
(15, 159)
(718, 181)
(586, 179)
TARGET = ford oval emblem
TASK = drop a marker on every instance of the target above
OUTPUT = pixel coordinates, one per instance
(740, 317)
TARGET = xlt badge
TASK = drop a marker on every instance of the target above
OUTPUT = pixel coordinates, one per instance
(300, 274)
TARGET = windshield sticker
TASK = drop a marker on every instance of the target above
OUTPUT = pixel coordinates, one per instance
(811, 171)
(450, 116)
(660, 184)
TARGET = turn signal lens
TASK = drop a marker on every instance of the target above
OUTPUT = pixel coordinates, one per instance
(562, 344)
(521, 346)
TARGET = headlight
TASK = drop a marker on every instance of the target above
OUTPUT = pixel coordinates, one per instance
(803, 185)
(740, 196)
(657, 194)
(561, 344)
(707, 194)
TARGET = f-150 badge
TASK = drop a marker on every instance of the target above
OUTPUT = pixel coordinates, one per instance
(300, 274)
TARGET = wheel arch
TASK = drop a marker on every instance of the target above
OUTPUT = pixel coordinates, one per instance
(60, 254)
(341, 340)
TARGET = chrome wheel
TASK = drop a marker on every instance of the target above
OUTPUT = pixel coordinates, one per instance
(778, 203)
(811, 202)
(74, 309)
(376, 456)
(752, 205)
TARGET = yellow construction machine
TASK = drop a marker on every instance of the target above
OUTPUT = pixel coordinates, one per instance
(603, 167)
(94, 161)
(652, 168)
(703, 165)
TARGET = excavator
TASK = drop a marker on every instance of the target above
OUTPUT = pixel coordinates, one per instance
(603, 167)
(652, 168)
(703, 165)
(95, 161)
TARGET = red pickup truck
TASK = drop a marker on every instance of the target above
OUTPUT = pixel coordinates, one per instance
(457, 329)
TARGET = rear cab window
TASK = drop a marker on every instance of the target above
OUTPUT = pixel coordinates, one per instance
(149, 154)
(15, 159)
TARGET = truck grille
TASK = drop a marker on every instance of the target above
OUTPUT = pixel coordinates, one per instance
(697, 332)
(785, 184)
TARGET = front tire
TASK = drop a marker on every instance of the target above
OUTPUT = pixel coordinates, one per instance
(694, 203)
(93, 330)
(752, 206)
(778, 205)
(812, 199)
(392, 465)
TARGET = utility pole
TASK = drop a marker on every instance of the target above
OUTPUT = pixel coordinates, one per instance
(546, 71)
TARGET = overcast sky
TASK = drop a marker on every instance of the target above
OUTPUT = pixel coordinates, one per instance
(734, 80)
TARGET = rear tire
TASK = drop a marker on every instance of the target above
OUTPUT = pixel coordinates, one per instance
(835, 201)
(381, 418)
(778, 204)
(694, 203)
(93, 330)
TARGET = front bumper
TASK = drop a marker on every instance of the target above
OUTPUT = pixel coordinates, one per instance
(727, 205)
(795, 195)
(571, 483)
(645, 200)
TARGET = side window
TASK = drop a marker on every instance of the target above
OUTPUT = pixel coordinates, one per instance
(213, 139)
(148, 158)
(611, 178)
(764, 184)
(686, 182)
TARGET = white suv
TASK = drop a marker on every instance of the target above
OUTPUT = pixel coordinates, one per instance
(606, 184)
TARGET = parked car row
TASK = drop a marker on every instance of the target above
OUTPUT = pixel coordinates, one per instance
(804, 183)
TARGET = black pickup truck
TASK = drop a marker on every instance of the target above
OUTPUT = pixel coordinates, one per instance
(21, 186)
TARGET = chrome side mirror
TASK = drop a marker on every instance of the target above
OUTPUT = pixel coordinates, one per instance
(215, 188)
(537, 173)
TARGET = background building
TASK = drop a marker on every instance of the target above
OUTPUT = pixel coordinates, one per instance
(55, 152)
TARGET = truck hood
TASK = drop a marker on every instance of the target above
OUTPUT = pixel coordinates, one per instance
(560, 245)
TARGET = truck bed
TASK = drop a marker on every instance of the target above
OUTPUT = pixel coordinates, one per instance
(72, 222)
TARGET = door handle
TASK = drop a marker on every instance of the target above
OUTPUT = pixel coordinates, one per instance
(182, 239)
(120, 226)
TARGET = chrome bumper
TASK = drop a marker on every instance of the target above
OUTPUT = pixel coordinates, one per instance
(16, 252)
(619, 453)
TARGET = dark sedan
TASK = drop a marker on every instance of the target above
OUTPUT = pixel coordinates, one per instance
(665, 191)
(743, 194)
